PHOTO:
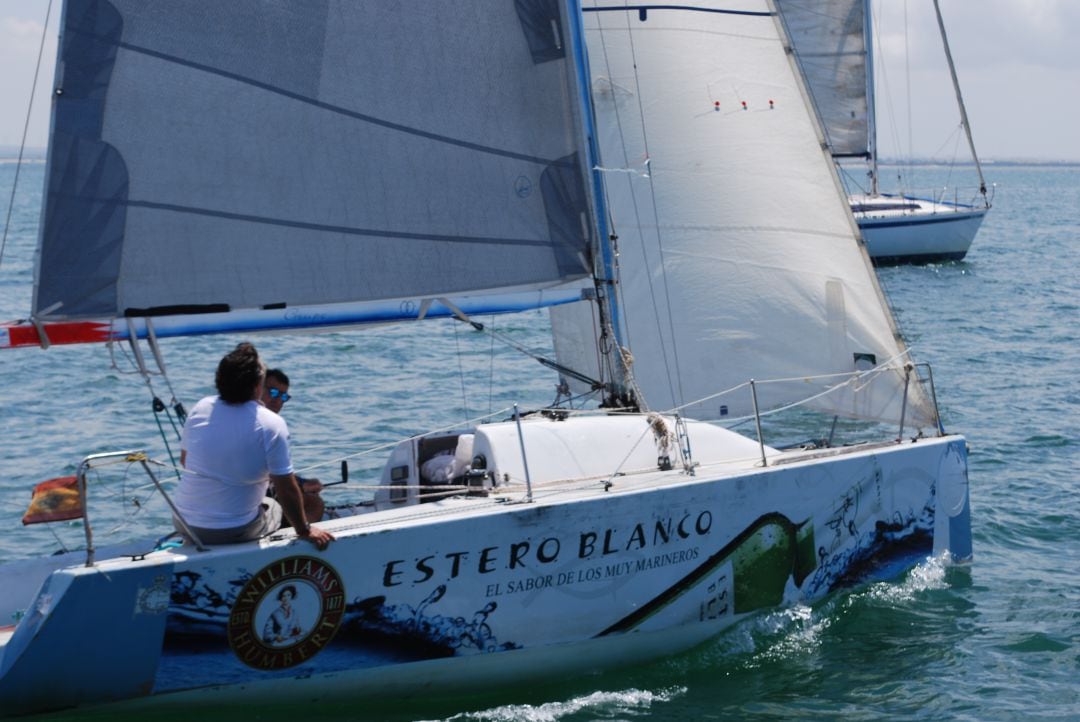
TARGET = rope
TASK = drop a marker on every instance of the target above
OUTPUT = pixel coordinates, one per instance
(26, 129)
(853, 377)
(178, 408)
(158, 406)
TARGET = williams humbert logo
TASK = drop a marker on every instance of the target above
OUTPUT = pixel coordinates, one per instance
(286, 613)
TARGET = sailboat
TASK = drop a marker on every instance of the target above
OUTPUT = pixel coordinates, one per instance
(350, 163)
(833, 42)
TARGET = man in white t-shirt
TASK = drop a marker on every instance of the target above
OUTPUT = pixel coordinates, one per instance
(233, 447)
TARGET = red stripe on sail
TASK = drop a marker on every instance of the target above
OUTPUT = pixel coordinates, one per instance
(59, 332)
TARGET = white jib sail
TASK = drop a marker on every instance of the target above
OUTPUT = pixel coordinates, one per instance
(738, 254)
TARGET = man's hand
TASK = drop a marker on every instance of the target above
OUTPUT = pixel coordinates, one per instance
(319, 537)
(289, 496)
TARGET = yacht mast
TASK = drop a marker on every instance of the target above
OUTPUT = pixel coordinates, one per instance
(871, 108)
(960, 101)
(604, 261)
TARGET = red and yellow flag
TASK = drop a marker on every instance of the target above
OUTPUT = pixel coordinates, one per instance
(55, 500)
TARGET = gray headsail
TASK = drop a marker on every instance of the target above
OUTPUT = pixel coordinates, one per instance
(831, 43)
(211, 156)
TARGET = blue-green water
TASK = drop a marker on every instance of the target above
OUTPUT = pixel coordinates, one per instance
(998, 640)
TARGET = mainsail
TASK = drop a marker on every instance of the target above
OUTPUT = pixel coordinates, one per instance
(738, 256)
(321, 179)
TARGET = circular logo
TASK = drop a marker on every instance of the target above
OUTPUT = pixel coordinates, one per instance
(522, 187)
(286, 613)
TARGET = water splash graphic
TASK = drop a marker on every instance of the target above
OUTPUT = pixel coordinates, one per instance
(450, 635)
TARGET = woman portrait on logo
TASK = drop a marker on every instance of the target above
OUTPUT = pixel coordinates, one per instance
(282, 627)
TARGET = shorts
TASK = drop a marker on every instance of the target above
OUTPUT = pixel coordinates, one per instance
(267, 521)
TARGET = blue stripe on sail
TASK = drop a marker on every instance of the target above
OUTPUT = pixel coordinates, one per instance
(307, 318)
(692, 8)
(299, 97)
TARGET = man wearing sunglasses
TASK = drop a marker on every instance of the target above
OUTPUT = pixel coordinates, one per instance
(276, 390)
(275, 394)
(232, 450)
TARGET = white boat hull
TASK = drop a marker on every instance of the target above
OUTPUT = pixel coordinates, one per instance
(919, 231)
(577, 578)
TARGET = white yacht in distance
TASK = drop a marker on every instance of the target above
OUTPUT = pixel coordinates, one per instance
(903, 229)
(832, 41)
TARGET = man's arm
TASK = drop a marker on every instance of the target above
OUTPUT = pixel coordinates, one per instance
(287, 492)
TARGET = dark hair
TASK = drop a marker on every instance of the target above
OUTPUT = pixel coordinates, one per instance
(277, 375)
(239, 374)
(287, 588)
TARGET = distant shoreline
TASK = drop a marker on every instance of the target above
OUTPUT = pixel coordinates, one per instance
(1004, 162)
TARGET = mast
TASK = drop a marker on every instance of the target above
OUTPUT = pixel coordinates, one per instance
(871, 103)
(960, 102)
(607, 301)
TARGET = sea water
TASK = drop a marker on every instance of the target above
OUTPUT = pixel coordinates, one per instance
(996, 640)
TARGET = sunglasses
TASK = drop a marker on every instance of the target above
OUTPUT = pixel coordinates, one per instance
(276, 394)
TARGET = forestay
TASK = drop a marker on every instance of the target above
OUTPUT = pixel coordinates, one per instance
(738, 255)
(211, 156)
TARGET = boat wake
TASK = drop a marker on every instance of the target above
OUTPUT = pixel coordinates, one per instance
(632, 702)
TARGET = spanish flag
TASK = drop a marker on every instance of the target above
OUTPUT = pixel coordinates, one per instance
(55, 500)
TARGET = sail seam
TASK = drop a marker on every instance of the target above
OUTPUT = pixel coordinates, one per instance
(322, 105)
(306, 225)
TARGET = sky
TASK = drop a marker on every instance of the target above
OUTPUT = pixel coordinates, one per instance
(1017, 62)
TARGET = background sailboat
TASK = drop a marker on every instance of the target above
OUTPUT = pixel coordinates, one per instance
(833, 43)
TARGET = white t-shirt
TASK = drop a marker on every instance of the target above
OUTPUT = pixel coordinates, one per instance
(229, 451)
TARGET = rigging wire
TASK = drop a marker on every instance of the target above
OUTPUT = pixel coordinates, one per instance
(521, 348)
(613, 285)
(604, 363)
(907, 80)
(672, 378)
(905, 161)
(26, 130)
(461, 373)
(491, 365)
(135, 360)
